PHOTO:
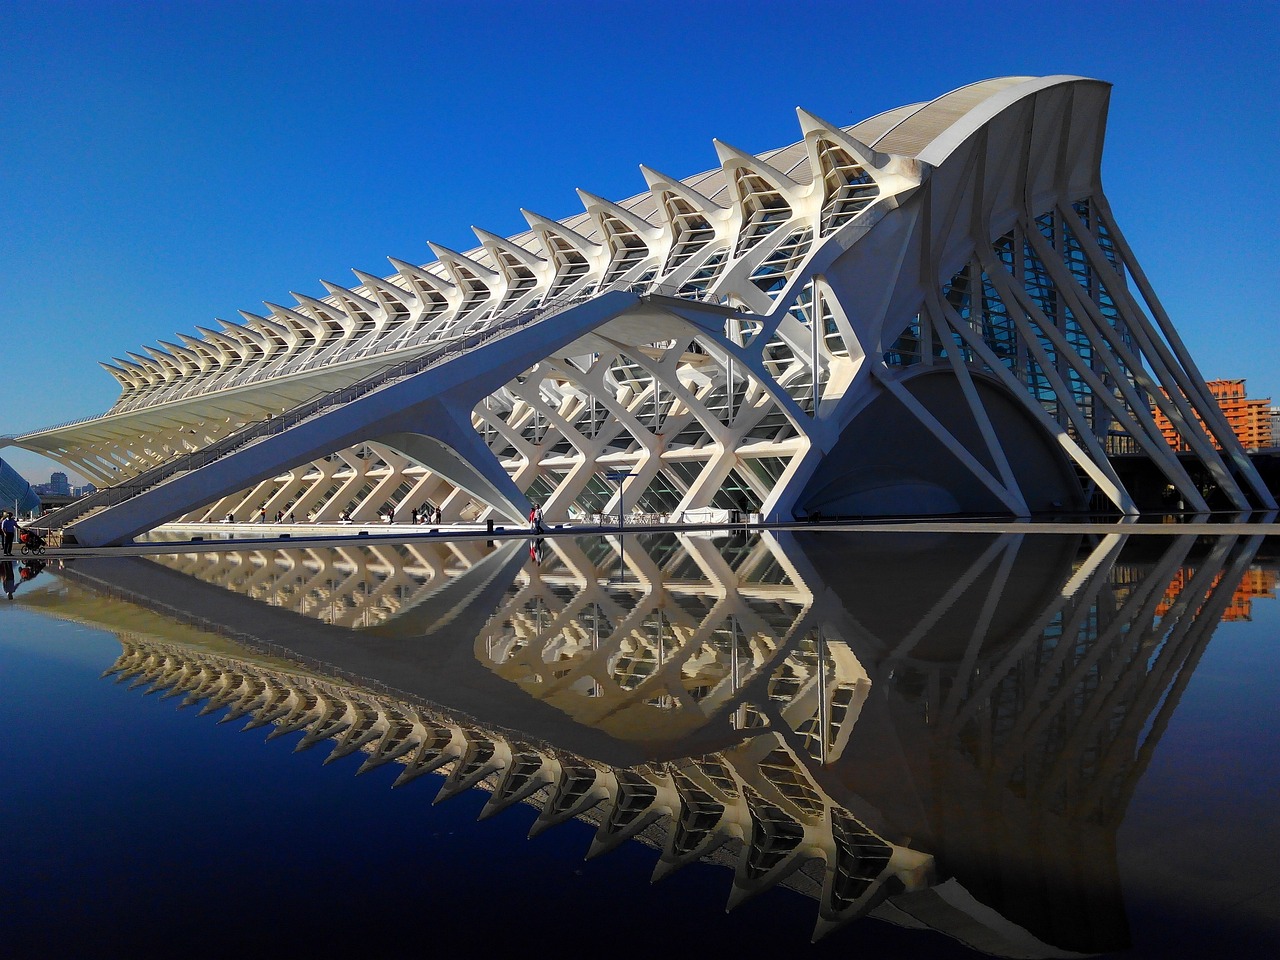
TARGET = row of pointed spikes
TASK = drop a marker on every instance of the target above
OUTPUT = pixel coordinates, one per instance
(812, 126)
(471, 766)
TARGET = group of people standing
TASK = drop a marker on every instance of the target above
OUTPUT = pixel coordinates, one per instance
(427, 514)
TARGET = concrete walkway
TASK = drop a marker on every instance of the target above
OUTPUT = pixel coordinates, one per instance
(199, 538)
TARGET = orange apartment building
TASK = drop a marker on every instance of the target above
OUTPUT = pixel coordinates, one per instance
(1250, 419)
(1256, 583)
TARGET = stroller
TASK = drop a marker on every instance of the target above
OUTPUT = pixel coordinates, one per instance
(32, 542)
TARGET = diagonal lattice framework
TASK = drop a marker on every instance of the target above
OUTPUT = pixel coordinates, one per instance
(931, 311)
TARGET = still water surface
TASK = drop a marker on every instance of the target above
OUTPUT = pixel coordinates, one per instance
(905, 745)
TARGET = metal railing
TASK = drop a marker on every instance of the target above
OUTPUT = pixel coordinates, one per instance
(258, 429)
(58, 426)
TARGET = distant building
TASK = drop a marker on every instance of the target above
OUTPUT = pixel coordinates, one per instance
(58, 492)
(16, 494)
(1255, 583)
(58, 486)
(1252, 421)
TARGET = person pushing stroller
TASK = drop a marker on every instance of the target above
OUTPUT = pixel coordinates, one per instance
(32, 541)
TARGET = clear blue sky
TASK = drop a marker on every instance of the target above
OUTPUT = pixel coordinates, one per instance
(163, 164)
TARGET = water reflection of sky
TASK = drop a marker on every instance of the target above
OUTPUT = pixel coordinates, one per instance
(1016, 717)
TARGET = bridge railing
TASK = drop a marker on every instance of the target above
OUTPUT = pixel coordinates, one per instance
(57, 426)
(258, 429)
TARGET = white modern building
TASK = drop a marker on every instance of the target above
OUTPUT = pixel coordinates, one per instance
(932, 311)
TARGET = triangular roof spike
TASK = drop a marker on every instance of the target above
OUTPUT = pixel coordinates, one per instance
(148, 366)
(823, 926)
(452, 259)
(418, 275)
(126, 364)
(160, 354)
(594, 204)
(306, 300)
(346, 293)
(175, 349)
(385, 290)
(344, 319)
(199, 349)
(492, 240)
(228, 345)
(265, 325)
(240, 331)
(738, 894)
(342, 294)
(257, 334)
(814, 126)
(310, 324)
(189, 359)
(169, 364)
(730, 155)
(661, 182)
(194, 343)
(664, 868)
(121, 376)
(133, 381)
(541, 224)
(216, 337)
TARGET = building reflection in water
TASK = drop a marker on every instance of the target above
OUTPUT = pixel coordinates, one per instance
(942, 731)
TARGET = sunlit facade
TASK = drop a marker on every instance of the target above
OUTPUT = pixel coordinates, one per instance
(1249, 417)
(932, 311)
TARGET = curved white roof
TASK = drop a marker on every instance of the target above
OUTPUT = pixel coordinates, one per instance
(905, 130)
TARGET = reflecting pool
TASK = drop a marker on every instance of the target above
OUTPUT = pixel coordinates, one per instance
(931, 744)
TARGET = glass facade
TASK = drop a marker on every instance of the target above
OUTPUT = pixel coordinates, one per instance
(16, 494)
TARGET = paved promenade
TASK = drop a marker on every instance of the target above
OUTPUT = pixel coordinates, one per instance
(192, 538)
